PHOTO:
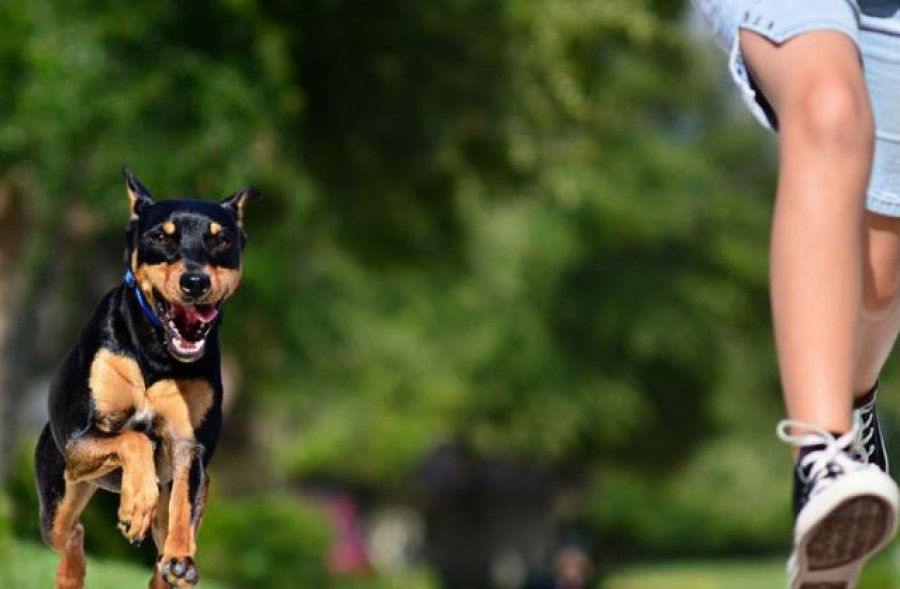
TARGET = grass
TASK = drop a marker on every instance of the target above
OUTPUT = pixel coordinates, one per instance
(33, 566)
(701, 575)
(883, 572)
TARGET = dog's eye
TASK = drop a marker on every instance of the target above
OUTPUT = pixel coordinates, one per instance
(218, 242)
(160, 239)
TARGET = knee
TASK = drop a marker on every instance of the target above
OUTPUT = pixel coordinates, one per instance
(833, 113)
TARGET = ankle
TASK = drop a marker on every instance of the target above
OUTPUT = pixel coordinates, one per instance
(866, 396)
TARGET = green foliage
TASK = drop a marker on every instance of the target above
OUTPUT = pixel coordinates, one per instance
(21, 491)
(276, 542)
(692, 511)
(5, 524)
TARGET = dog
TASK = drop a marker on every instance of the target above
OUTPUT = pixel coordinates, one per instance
(136, 406)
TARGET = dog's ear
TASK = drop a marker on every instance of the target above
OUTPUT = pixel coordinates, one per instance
(235, 203)
(138, 195)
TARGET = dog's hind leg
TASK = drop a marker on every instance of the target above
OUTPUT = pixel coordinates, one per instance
(61, 504)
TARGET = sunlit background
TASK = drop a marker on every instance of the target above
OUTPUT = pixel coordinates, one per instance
(504, 320)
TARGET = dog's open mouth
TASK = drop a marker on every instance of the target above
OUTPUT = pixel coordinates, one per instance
(186, 327)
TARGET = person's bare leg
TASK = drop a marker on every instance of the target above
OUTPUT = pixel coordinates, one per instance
(816, 86)
(880, 318)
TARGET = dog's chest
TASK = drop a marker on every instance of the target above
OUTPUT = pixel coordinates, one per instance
(170, 408)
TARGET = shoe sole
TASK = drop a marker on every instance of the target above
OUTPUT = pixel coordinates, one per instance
(850, 528)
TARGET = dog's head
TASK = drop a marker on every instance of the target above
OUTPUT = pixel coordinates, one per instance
(185, 256)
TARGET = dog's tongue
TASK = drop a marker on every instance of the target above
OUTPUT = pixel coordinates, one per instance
(193, 314)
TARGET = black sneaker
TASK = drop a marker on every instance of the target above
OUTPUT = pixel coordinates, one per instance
(845, 509)
(870, 443)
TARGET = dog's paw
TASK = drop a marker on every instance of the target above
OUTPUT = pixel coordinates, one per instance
(137, 507)
(179, 571)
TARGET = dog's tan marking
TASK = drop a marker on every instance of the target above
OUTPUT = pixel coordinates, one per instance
(215, 228)
(224, 282)
(118, 388)
(143, 279)
(133, 199)
(180, 540)
(163, 277)
(116, 385)
(168, 228)
(182, 405)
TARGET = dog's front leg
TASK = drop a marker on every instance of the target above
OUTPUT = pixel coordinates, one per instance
(96, 454)
(177, 565)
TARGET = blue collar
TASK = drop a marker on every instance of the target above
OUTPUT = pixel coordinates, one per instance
(142, 301)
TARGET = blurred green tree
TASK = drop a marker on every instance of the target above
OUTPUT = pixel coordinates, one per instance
(5, 517)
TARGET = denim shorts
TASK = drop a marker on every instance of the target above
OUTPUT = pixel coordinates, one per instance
(873, 25)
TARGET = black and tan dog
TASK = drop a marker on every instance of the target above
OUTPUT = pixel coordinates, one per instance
(135, 407)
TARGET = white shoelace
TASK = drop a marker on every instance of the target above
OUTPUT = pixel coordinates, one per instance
(864, 442)
(837, 451)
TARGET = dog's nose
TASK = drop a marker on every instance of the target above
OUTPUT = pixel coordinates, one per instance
(195, 284)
